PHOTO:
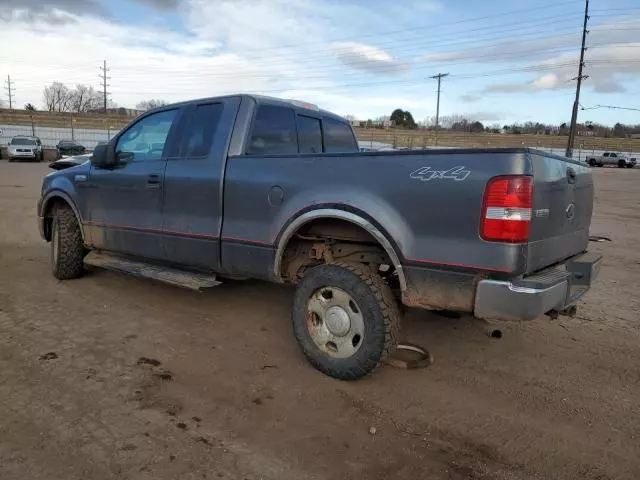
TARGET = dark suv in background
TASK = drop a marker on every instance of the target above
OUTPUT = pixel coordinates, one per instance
(69, 147)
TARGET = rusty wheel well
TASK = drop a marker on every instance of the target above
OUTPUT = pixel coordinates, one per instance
(329, 240)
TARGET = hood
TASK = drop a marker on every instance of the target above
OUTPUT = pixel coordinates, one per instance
(69, 162)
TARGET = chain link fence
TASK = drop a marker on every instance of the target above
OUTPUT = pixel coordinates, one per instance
(50, 136)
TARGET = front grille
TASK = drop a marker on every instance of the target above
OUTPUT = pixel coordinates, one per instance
(23, 150)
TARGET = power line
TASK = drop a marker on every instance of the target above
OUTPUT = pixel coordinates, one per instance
(9, 88)
(104, 77)
(546, 6)
(574, 114)
(439, 77)
(610, 107)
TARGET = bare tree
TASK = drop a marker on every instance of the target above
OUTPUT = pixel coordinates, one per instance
(60, 98)
(85, 99)
(448, 121)
(57, 97)
(151, 104)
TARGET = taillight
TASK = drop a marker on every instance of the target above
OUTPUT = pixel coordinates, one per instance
(506, 212)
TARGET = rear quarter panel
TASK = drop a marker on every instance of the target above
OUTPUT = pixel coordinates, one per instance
(431, 218)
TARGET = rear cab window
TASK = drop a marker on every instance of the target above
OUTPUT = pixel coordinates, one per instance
(284, 130)
(338, 136)
(309, 134)
(273, 131)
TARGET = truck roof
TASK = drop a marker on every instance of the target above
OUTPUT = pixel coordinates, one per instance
(265, 100)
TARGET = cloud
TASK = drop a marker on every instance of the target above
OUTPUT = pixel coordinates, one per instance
(215, 48)
(53, 12)
(53, 17)
(486, 116)
(609, 86)
(470, 97)
(162, 4)
(613, 49)
(367, 58)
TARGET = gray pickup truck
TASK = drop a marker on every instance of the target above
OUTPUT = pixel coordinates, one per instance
(255, 187)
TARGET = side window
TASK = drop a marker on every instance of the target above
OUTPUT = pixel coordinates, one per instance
(309, 134)
(613, 155)
(145, 140)
(606, 154)
(338, 136)
(273, 132)
(201, 129)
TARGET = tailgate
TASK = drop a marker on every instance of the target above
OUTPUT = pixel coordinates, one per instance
(562, 206)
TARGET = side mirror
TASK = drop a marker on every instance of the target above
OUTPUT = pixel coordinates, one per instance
(103, 156)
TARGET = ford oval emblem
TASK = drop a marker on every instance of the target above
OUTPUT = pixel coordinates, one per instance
(571, 211)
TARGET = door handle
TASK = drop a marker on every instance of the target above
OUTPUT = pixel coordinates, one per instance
(571, 175)
(153, 181)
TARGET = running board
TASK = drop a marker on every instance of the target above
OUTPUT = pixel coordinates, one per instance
(172, 276)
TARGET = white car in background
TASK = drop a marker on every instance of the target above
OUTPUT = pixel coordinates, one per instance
(22, 147)
(612, 158)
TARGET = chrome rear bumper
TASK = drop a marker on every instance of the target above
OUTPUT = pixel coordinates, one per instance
(531, 297)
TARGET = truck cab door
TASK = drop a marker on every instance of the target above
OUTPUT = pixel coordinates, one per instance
(124, 203)
(194, 177)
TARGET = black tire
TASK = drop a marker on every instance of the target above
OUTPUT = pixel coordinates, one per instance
(10, 160)
(622, 164)
(630, 165)
(379, 311)
(67, 249)
(592, 162)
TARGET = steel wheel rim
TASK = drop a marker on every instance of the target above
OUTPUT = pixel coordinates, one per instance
(335, 322)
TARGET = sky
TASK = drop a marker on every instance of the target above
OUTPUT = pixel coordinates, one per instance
(507, 61)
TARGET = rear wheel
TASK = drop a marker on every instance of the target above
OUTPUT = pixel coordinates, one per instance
(592, 162)
(67, 248)
(345, 319)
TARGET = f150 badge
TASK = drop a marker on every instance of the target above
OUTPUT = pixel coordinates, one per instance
(459, 174)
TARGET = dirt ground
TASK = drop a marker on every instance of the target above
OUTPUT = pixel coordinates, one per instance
(113, 377)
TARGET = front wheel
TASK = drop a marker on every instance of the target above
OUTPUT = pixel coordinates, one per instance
(67, 248)
(630, 165)
(345, 319)
(622, 164)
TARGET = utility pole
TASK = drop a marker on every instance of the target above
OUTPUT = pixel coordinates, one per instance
(439, 76)
(576, 103)
(9, 88)
(104, 78)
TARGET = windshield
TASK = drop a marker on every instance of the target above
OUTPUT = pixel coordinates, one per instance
(22, 141)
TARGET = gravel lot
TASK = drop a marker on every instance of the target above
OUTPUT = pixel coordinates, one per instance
(116, 377)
